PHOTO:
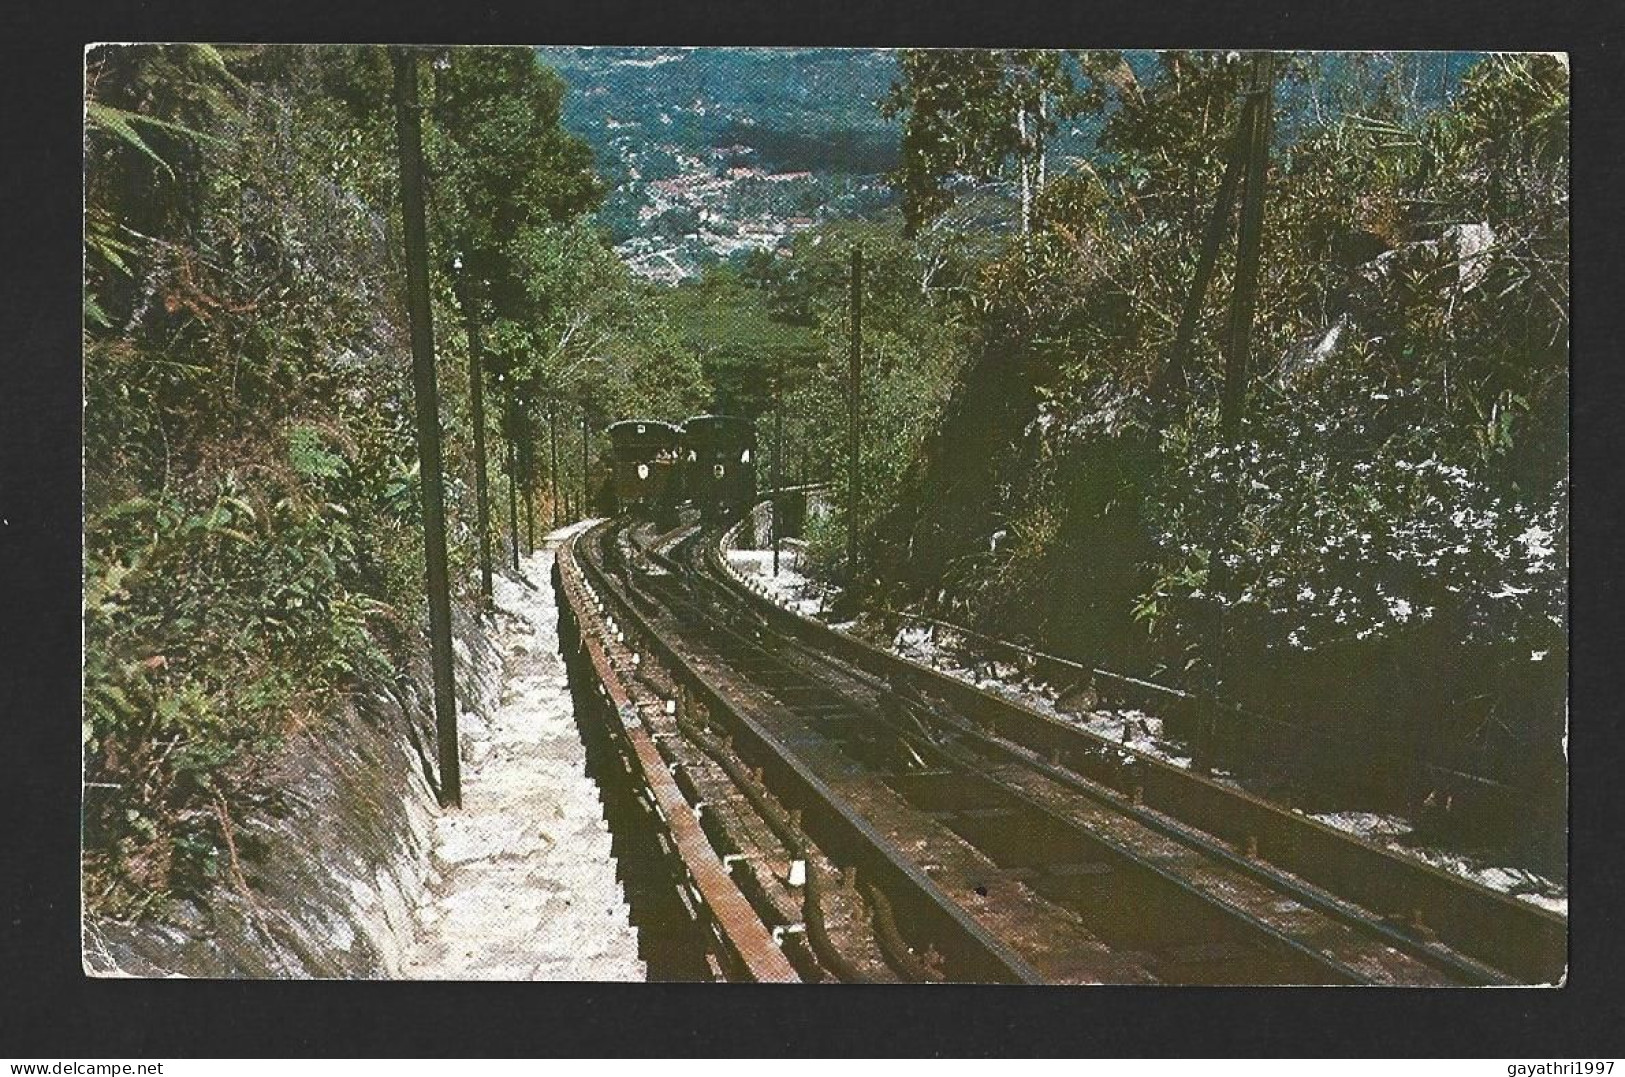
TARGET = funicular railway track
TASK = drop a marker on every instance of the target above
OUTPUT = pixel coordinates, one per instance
(995, 843)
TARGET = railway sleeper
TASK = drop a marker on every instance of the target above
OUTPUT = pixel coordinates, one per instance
(654, 645)
(762, 848)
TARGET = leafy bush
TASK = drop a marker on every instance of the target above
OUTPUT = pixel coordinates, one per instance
(212, 629)
(249, 525)
(1393, 519)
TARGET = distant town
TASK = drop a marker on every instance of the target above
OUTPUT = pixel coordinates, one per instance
(718, 207)
(708, 161)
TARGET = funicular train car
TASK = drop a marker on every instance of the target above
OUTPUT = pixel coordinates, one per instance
(719, 463)
(646, 455)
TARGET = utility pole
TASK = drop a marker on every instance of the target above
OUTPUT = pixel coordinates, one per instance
(513, 500)
(409, 146)
(586, 492)
(527, 464)
(1252, 229)
(469, 298)
(1255, 124)
(530, 518)
(778, 455)
(854, 388)
(553, 455)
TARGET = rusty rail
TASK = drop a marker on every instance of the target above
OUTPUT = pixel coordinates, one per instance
(740, 930)
(969, 951)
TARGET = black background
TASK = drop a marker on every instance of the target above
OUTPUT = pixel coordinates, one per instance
(49, 1009)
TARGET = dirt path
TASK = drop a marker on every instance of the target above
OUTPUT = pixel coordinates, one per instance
(527, 887)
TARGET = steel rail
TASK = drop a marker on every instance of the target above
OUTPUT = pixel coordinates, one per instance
(970, 951)
(1316, 955)
(737, 925)
(1488, 936)
(1403, 939)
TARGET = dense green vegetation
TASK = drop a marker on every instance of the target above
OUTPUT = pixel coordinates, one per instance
(253, 539)
(1397, 496)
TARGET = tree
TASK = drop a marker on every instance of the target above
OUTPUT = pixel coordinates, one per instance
(507, 177)
(1398, 551)
(503, 166)
(971, 112)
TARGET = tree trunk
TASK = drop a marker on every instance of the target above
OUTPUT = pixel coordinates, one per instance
(1026, 171)
(1041, 144)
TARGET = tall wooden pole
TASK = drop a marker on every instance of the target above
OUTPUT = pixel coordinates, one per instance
(586, 493)
(409, 145)
(530, 517)
(513, 500)
(854, 416)
(778, 454)
(482, 498)
(527, 466)
(1247, 248)
(553, 456)
(1243, 303)
(1172, 378)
